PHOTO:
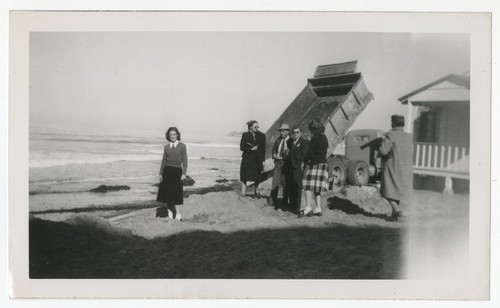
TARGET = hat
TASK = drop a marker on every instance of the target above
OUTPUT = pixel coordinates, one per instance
(398, 120)
(284, 127)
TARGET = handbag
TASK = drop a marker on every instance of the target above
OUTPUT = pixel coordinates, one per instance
(162, 212)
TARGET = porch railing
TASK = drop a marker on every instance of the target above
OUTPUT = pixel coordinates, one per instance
(441, 160)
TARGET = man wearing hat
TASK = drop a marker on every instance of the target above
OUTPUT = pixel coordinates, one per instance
(279, 153)
(397, 166)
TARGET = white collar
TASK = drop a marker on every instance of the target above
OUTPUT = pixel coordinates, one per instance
(174, 144)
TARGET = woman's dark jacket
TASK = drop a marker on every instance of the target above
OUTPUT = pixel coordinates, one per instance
(318, 147)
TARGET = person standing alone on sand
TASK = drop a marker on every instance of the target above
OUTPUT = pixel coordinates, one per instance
(172, 172)
(280, 152)
(397, 170)
(253, 146)
(316, 174)
(293, 171)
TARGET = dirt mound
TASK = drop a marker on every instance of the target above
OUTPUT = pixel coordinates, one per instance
(359, 200)
(97, 223)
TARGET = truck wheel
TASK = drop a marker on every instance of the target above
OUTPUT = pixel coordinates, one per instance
(337, 172)
(358, 173)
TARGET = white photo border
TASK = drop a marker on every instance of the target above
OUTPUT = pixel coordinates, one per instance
(477, 25)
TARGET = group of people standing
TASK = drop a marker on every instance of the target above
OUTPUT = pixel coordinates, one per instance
(298, 164)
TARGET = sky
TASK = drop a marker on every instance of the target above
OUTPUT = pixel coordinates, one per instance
(212, 83)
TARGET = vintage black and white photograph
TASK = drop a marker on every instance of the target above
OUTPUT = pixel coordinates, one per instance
(262, 155)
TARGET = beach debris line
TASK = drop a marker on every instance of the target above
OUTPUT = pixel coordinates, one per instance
(99, 189)
(225, 180)
(206, 190)
(106, 188)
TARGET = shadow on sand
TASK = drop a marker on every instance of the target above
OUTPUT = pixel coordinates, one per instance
(61, 250)
(346, 206)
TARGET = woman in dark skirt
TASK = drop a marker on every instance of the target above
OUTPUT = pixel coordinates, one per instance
(172, 172)
(253, 146)
(316, 174)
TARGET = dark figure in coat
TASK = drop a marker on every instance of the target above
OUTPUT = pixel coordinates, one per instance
(397, 171)
(253, 146)
(293, 168)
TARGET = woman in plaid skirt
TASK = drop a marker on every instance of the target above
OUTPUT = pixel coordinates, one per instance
(316, 174)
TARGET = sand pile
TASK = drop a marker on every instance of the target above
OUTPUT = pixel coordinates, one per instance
(362, 200)
(93, 221)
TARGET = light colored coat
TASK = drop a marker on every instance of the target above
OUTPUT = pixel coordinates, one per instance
(397, 159)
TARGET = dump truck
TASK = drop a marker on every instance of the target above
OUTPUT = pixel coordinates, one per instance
(337, 95)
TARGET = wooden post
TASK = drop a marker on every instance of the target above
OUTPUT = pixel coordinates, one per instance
(409, 120)
(448, 186)
(448, 164)
(424, 155)
(457, 163)
(417, 158)
(442, 157)
(436, 150)
(429, 158)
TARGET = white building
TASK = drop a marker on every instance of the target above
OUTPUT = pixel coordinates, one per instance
(438, 116)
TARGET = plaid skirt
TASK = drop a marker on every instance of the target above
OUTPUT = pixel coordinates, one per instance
(316, 178)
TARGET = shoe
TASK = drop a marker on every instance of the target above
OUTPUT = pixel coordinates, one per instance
(318, 214)
(301, 214)
(309, 214)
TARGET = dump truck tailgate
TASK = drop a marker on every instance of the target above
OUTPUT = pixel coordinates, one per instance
(336, 95)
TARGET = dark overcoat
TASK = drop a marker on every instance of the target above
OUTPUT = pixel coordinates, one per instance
(293, 171)
(397, 160)
(297, 153)
(251, 162)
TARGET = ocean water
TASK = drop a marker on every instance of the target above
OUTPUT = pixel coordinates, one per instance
(64, 166)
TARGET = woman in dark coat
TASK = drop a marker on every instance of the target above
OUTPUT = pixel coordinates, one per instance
(316, 174)
(253, 146)
(172, 172)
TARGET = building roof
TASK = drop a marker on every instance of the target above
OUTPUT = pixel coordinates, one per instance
(458, 80)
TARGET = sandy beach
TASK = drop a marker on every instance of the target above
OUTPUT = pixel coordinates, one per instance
(226, 235)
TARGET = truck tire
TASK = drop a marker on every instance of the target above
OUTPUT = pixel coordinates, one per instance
(337, 173)
(358, 173)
